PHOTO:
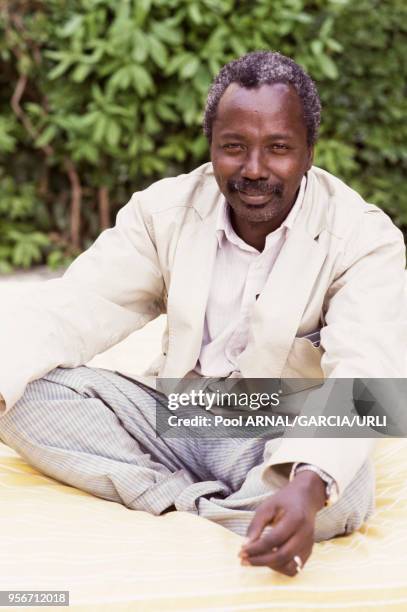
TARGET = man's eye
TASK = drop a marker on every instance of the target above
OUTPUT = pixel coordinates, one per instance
(279, 146)
(232, 146)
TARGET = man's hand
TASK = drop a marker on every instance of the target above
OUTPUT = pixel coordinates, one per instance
(291, 513)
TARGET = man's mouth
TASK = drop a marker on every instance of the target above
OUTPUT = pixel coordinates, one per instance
(255, 193)
(254, 199)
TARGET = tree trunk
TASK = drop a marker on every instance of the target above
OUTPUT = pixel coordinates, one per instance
(76, 205)
(104, 208)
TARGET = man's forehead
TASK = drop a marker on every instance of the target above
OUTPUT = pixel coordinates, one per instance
(276, 101)
(263, 95)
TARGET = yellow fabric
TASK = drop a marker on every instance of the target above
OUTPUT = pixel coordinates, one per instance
(112, 558)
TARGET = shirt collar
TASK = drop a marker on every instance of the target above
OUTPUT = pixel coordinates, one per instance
(225, 231)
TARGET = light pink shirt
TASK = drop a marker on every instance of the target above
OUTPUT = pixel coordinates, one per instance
(239, 275)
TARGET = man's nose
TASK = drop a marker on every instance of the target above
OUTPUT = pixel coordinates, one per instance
(254, 167)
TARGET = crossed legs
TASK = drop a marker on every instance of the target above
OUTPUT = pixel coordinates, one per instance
(95, 430)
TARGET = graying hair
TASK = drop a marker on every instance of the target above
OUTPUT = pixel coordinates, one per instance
(265, 68)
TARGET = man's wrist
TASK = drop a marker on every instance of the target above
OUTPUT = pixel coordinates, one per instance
(315, 487)
(330, 483)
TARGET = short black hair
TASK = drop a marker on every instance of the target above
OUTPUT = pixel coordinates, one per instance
(265, 68)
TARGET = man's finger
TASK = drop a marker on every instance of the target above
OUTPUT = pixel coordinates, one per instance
(263, 516)
(296, 564)
(277, 559)
(288, 569)
(273, 537)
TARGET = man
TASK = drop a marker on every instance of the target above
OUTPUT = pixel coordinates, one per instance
(249, 256)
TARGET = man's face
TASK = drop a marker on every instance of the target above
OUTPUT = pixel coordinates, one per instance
(259, 151)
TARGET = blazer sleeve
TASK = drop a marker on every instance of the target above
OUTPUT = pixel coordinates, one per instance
(364, 336)
(365, 307)
(112, 289)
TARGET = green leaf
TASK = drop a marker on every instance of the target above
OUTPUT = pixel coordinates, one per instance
(100, 128)
(86, 151)
(97, 94)
(47, 136)
(81, 72)
(151, 124)
(190, 68)
(60, 69)
(317, 47)
(141, 80)
(142, 10)
(157, 51)
(140, 47)
(113, 133)
(202, 79)
(71, 26)
(328, 67)
(237, 45)
(121, 79)
(334, 45)
(326, 28)
(165, 112)
(28, 248)
(194, 13)
(7, 139)
(199, 147)
(176, 62)
(167, 33)
(89, 119)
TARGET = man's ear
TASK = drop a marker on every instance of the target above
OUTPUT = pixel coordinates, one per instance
(310, 160)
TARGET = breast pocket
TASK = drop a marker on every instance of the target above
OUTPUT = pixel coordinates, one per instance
(304, 359)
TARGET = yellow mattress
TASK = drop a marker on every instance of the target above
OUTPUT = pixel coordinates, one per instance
(111, 558)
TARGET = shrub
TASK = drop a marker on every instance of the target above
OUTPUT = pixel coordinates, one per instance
(100, 97)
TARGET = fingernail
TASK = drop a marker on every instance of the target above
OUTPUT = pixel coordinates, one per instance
(244, 562)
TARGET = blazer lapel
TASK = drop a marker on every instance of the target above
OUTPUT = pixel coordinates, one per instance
(188, 295)
(278, 311)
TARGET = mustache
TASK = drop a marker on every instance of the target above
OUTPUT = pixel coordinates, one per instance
(259, 187)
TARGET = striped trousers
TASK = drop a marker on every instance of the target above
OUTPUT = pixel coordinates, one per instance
(95, 429)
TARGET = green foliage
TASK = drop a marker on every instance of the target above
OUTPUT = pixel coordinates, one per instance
(108, 95)
(20, 244)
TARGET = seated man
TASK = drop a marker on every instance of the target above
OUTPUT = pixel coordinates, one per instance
(248, 255)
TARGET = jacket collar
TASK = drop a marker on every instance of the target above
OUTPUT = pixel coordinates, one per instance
(312, 215)
(277, 313)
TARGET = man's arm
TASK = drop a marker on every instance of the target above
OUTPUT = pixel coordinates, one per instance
(364, 336)
(112, 289)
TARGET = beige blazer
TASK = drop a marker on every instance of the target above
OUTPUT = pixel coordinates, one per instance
(341, 270)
